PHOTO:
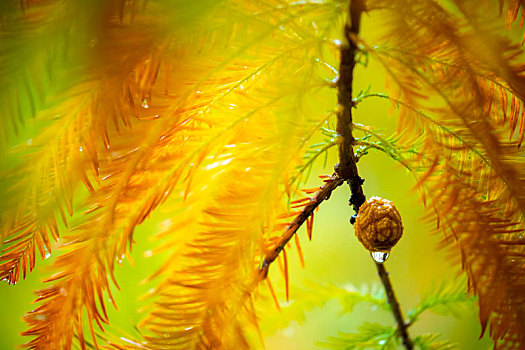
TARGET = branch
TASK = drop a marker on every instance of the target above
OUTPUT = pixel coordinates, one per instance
(323, 194)
(347, 168)
(394, 305)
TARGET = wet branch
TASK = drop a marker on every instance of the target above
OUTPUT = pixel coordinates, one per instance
(402, 327)
(346, 170)
(324, 193)
(347, 167)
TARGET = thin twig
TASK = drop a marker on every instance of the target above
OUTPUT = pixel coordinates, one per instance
(402, 327)
(323, 194)
(347, 167)
(346, 170)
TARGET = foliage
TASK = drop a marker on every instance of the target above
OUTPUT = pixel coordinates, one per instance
(443, 300)
(214, 111)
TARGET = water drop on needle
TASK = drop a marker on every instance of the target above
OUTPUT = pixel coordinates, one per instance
(380, 257)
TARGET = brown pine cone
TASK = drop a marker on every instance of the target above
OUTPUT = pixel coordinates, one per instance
(378, 225)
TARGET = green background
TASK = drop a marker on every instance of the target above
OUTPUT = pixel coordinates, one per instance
(334, 256)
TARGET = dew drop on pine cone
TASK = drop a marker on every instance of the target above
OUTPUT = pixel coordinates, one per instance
(380, 257)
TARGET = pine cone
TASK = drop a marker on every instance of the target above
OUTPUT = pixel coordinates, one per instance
(378, 225)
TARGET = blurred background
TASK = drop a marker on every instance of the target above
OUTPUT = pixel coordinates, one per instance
(333, 257)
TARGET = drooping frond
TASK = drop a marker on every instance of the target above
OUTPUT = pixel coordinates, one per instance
(79, 141)
(231, 216)
(96, 100)
(216, 127)
(468, 168)
(208, 301)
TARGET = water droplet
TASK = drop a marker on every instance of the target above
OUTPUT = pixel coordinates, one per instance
(80, 149)
(380, 257)
(63, 291)
(145, 103)
(382, 342)
(337, 42)
(47, 255)
(29, 142)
